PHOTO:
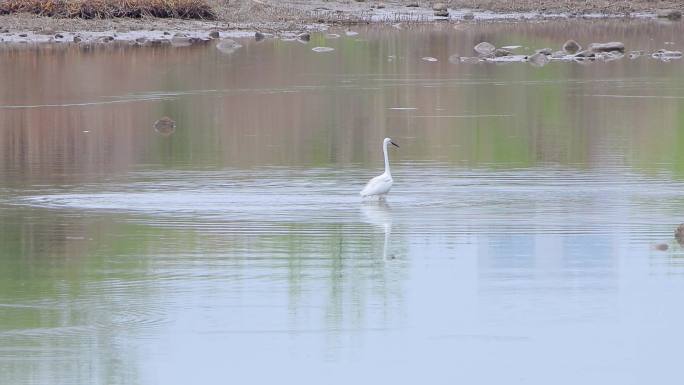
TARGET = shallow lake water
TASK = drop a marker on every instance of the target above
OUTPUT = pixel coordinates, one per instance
(517, 244)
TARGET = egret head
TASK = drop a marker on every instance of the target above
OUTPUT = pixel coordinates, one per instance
(388, 140)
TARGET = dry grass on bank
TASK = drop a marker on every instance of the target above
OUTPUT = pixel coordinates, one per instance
(105, 9)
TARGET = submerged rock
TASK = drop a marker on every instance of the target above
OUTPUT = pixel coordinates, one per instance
(609, 56)
(180, 40)
(607, 47)
(671, 14)
(662, 247)
(571, 47)
(484, 48)
(454, 59)
(544, 51)
(165, 126)
(322, 49)
(636, 54)
(538, 59)
(469, 60)
(429, 58)
(227, 46)
(666, 55)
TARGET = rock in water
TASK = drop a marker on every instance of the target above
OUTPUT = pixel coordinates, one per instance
(468, 16)
(322, 49)
(607, 47)
(180, 40)
(544, 51)
(666, 55)
(586, 54)
(227, 46)
(538, 59)
(258, 36)
(471, 60)
(484, 48)
(304, 36)
(165, 126)
(442, 13)
(662, 247)
(679, 234)
(671, 14)
(214, 34)
(558, 55)
(429, 58)
(571, 47)
(499, 52)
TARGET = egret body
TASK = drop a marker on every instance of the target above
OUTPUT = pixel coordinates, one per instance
(381, 184)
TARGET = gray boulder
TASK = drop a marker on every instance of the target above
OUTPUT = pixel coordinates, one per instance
(484, 48)
(538, 59)
(499, 52)
(671, 14)
(607, 47)
(571, 47)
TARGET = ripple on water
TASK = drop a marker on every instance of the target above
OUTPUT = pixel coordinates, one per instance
(425, 198)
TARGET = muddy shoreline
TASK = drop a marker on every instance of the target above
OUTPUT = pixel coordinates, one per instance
(244, 18)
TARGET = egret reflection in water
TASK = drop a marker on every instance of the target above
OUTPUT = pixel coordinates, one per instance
(379, 214)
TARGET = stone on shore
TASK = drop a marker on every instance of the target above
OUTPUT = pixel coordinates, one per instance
(671, 14)
(468, 16)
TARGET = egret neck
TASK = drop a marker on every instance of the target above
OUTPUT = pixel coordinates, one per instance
(387, 166)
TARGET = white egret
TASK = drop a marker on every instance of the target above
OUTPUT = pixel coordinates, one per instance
(381, 184)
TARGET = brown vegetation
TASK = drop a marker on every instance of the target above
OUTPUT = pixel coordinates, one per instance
(104, 9)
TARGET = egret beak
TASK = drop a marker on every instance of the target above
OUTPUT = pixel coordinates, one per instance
(395, 144)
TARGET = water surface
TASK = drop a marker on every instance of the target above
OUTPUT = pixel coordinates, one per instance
(517, 245)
